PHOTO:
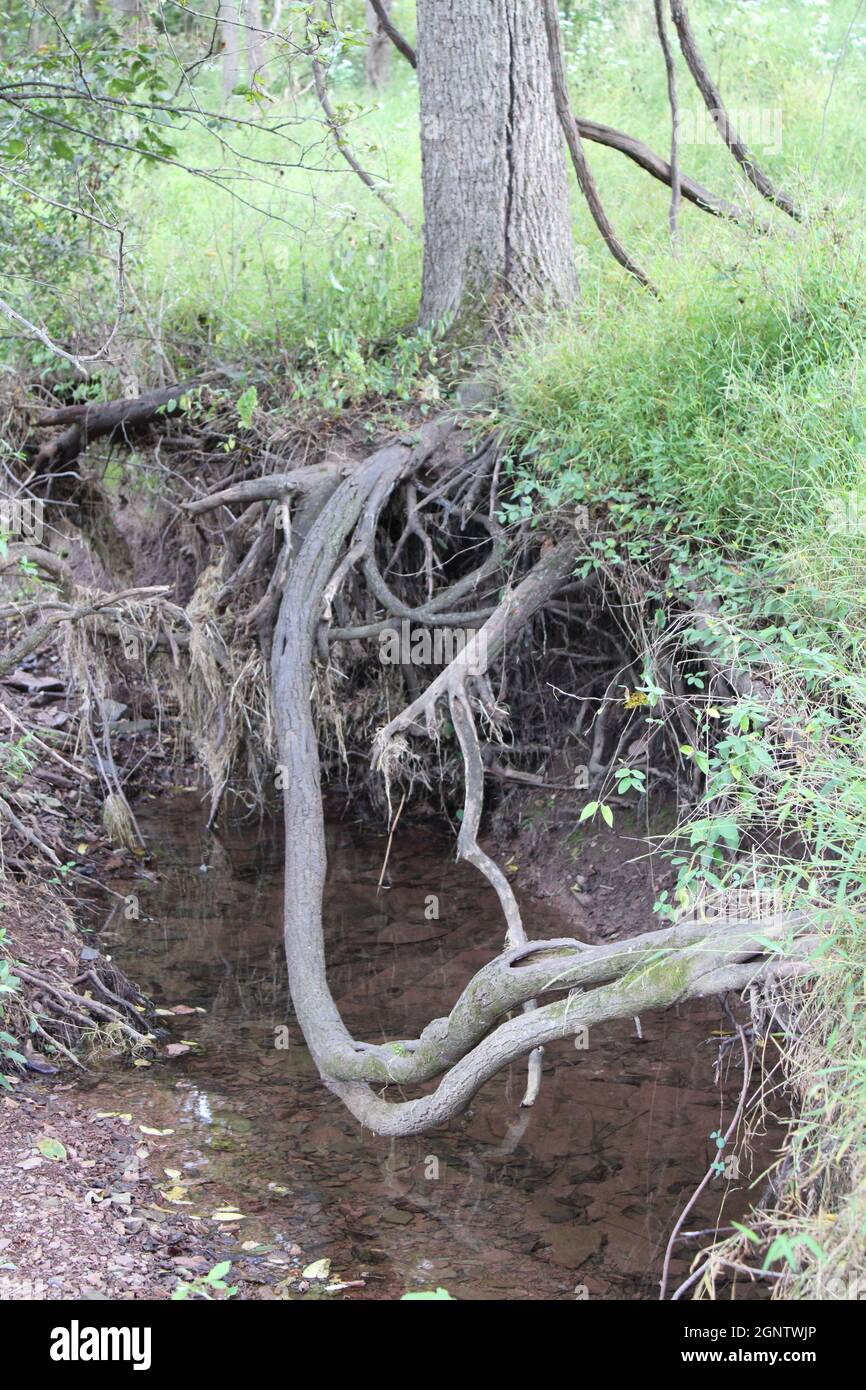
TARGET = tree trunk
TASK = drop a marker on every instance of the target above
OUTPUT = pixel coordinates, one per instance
(497, 218)
(255, 41)
(378, 61)
(228, 16)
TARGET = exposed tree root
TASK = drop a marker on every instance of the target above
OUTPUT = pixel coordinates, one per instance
(677, 963)
(87, 422)
(411, 537)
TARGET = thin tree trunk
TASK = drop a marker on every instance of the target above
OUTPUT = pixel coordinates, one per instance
(671, 73)
(497, 216)
(255, 40)
(578, 158)
(228, 16)
(387, 27)
(378, 60)
(716, 107)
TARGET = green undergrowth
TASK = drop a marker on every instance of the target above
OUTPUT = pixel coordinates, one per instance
(717, 440)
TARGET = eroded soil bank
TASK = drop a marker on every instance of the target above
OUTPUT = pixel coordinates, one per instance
(254, 1161)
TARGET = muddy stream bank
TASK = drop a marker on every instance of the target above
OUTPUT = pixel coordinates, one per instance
(578, 1193)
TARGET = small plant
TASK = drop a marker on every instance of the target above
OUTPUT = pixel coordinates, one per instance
(211, 1286)
(246, 406)
(592, 808)
(16, 759)
(629, 779)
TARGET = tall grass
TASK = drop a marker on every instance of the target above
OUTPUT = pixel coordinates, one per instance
(320, 255)
(724, 426)
(736, 401)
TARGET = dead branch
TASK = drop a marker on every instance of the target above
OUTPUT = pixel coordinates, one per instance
(90, 421)
(716, 107)
(342, 144)
(272, 487)
(66, 614)
(84, 1011)
(575, 146)
(671, 73)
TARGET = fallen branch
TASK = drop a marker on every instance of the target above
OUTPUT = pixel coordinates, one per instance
(66, 614)
(76, 1008)
(90, 421)
(659, 168)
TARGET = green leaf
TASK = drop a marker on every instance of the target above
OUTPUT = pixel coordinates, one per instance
(246, 405)
(52, 1148)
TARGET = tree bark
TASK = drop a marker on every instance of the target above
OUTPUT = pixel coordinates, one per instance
(633, 149)
(496, 206)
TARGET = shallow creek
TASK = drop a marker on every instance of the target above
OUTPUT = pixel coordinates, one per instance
(579, 1192)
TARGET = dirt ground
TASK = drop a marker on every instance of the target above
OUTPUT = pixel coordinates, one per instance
(602, 881)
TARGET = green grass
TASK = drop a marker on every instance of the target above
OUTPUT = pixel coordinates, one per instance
(254, 287)
(720, 432)
(324, 257)
(736, 402)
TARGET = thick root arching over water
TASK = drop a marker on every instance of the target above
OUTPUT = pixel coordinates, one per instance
(336, 597)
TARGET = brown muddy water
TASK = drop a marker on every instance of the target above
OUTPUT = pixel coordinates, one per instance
(575, 1197)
